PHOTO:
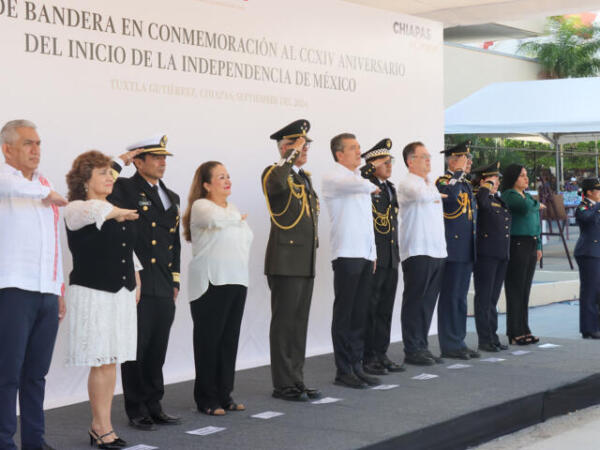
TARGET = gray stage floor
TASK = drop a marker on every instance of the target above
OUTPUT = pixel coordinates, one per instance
(359, 418)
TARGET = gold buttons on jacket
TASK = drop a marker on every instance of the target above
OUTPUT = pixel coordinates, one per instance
(123, 261)
(596, 240)
(123, 244)
(170, 264)
(518, 243)
(485, 235)
(291, 242)
(124, 277)
(153, 260)
(123, 228)
(506, 226)
(172, 230)
(145, 208)
(153, 224)
(170, 247)
(153, 242)
(456, 236)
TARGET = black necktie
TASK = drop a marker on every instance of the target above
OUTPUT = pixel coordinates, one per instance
(304, 178)
(155, 189)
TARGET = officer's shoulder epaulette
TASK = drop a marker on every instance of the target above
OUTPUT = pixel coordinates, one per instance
(583, 206)
(444, 179)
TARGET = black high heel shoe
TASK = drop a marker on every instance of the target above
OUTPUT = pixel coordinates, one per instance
(531, 339)
(98, 441)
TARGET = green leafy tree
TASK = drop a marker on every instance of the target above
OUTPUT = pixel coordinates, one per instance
(570, 52)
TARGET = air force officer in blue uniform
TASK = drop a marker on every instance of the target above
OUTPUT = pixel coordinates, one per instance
(587, 255)
(460, 243)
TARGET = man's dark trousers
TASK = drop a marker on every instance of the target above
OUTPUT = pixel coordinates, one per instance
(422, 280)
(290, 307)
(28, 327)
(143, 381)
(452, 307)
(352, 287)
(381, 305)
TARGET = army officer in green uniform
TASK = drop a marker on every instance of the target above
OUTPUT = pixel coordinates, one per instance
(290, 259)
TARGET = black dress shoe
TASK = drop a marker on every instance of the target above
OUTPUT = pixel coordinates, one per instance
(290, 393)
(472, 353)
(492, 348)
(390, 365)
(436, 359)
(456, 354)
(349, 380)
(592, 335)
(370, 380)
(374, 368)
(418, 359)
(142, 423)
(501, 346)
(165, 419)
(311, 393)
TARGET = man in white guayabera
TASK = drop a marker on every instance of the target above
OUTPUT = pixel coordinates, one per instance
(31, 284)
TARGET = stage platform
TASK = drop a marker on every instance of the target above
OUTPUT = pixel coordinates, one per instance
(460, 407)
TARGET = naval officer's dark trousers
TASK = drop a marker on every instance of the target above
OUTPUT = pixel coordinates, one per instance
(290, 307)
(381, 306)
(488, 276)
(517, 284)
(143, 384)
(589, 291)
(452, 307)
(422, 281)
(351, 285)
(28, 327)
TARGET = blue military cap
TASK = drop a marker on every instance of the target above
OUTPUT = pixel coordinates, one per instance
(464, 148)
(382, 148)
(294, 130)
(488, 171)
(590, 184)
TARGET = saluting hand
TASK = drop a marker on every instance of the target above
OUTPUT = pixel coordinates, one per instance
(298, 144)
(127, 157)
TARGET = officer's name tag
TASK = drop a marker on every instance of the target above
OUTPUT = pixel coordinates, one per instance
(498, 205)
(144, 203)
(452, 181)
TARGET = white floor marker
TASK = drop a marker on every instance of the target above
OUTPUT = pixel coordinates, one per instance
(520, 352)
(205, 431)
(384, 387)
(141, 447)
(493, 359)
(267, 415)
(425, 376)
(549, 345)
(325, 400)
(459, 366)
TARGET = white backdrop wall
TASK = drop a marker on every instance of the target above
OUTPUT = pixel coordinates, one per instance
(83, 101)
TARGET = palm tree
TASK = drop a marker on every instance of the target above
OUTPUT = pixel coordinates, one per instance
(571, 51)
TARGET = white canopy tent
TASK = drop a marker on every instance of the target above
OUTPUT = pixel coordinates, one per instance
(559, 111)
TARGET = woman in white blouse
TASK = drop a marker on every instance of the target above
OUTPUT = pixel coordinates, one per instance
(104, 287)
(218, 281)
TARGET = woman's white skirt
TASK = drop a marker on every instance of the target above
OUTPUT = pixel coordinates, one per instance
(102, 326)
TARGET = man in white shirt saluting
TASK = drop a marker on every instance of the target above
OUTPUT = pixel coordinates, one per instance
(422, 252)
(31, 284)
(353, 253)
